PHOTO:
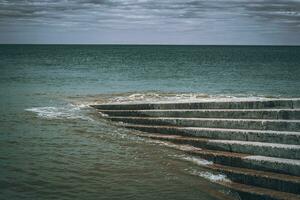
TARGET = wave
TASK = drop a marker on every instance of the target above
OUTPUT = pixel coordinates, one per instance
(69, 111)
(150, 97)
(204, 174)
(181, 97)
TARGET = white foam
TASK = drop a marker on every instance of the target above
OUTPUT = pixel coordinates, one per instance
(210, 176)
(103, 114)
(69, 111)
(198, 161)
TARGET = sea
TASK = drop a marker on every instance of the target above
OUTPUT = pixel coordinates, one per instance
(53, 145)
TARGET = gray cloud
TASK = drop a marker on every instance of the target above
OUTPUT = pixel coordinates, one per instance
(257, 19)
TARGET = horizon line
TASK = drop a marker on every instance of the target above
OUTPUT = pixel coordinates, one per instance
(149, 44)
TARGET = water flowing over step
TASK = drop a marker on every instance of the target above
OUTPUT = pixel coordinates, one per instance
(256, 144)
(281, 137)
(258, 148)
(253, 124)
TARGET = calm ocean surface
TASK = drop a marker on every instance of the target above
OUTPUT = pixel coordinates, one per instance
(53, 146)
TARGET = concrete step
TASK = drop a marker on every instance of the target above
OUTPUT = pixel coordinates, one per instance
(256, 144)
(251, 124)
(248, 192)
(241, 160)
(229, 104)
(211, 113)
(281, 137)
(254, 148)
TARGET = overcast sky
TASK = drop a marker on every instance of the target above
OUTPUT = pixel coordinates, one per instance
(151, 21)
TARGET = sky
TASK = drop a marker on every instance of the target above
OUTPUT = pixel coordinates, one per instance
(216, 22)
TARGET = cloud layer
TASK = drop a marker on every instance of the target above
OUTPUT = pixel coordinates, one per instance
(150, 21)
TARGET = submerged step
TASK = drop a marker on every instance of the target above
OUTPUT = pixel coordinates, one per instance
(282, 137)
(250, 192)
(252, 124)
(229, 104)
(254, 148)
(211, 113)
(240, 170)
(242, 160)
(279, 182)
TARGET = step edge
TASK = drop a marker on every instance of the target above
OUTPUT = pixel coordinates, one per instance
(203, 119)
(212, 129)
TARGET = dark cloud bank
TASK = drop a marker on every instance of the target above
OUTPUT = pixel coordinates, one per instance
(150, 21)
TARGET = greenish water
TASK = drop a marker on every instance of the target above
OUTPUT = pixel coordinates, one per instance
(53, 146)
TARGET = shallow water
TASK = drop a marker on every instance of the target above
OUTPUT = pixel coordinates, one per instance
(52, 145)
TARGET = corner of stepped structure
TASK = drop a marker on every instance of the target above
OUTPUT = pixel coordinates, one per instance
(255, 143)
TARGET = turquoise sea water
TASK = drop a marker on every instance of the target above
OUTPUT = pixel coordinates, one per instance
(53, 146)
